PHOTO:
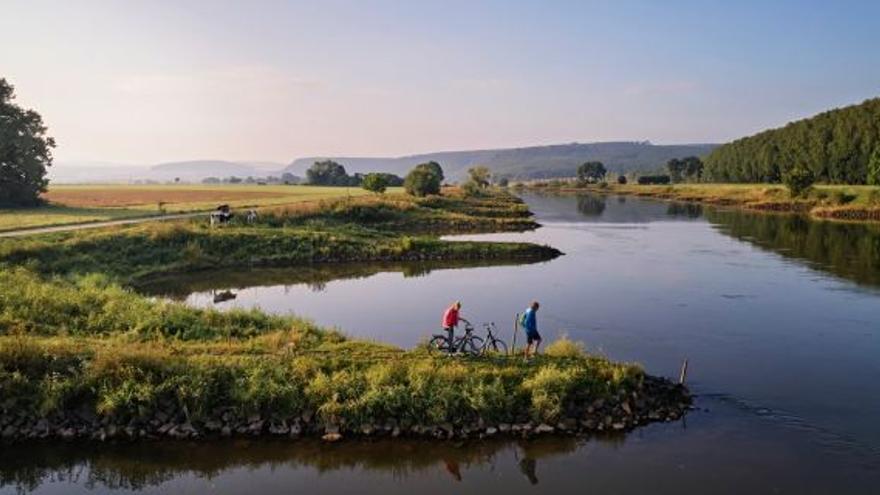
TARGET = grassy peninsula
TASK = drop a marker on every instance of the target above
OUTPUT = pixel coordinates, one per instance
(83, 354)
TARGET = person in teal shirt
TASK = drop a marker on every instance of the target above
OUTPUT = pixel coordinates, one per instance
(529, 322)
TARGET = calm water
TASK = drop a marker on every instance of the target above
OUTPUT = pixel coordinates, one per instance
(776, 314)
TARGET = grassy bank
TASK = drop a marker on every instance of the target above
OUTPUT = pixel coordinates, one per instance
(83, 354)
(280, 383)
(836, 202)
(388, 228)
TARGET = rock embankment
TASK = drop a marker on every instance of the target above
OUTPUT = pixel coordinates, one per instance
(656, 400)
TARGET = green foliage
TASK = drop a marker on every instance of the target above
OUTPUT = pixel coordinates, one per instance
(835, 146)
(591, 172)
(330, 173)
(25, 152)
(347, 383)
(874, 167)
(686, 169)
(472, 189)
(798, 179)
(653, 179)
(434, 168)
(94, 306)
(424, 179)
(564, 347)
(480, 176)
(374, 183)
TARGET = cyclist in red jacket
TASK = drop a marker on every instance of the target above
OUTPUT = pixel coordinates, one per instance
(451, 318)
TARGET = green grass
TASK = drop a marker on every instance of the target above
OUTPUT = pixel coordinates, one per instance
(347, 383)
(391, 228)
(50, 215)
(74, 335)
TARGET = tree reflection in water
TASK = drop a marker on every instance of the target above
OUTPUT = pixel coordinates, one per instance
(138, 466)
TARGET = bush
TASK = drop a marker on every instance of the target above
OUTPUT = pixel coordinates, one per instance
(564, 347)
(375, 183)
(422, 181)
(621, 179)
(472, 189)
(653, 179)
(799, 180)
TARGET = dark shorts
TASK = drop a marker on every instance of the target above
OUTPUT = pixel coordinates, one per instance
(532, 336)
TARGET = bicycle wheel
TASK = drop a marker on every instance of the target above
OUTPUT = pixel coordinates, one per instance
(497, 346)
(473, 346)
(438, 343)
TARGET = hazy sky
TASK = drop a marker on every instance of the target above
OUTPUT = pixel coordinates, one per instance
(142, 82)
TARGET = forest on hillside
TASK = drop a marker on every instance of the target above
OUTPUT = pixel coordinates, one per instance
(836, 146)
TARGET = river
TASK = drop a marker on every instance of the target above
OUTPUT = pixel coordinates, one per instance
(776, 314)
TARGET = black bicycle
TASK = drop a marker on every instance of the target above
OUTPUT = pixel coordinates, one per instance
(493, 343)
(463, 344)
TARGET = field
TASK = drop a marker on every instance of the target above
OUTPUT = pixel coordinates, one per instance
(93, 203)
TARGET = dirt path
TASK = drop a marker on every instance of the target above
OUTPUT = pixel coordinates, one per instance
(95, 225)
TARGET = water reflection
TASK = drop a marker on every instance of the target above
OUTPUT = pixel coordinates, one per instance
(222, 283)
(591, 206)
(847, 250)
(144, 465)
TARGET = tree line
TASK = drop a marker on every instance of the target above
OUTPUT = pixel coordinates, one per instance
(841, 146)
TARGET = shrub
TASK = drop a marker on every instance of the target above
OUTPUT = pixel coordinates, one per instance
(421, 182)
(472, 189)
(375, 183)
(653, 179)
(564, 347)
(799, 180)
(549, 388)
(874, 168)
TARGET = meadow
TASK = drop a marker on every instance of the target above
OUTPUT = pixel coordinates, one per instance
(72, 204)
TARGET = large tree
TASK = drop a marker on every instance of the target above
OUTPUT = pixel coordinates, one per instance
(25, 152)
(874, 167)
(327, 173)
(591, 172)
(424, 179)
(480, 175)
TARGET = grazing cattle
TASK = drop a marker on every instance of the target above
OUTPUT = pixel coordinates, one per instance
(222, 215)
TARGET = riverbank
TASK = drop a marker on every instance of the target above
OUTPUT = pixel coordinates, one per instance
(84, 355)
(297, 384)
(387, 228)
(831, 202)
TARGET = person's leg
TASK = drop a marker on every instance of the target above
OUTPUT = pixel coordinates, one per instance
(537, 344)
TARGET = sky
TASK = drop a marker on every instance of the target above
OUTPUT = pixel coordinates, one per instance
(141, 82)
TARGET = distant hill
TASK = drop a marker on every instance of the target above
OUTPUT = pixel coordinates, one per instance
(525, 163)
(186, 171)
(196, 170)
(836, 145)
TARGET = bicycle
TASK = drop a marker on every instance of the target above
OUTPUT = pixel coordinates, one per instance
(493, 343)
(464, 344)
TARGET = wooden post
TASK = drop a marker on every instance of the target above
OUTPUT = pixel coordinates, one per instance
(684, 371)
(513, 345)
